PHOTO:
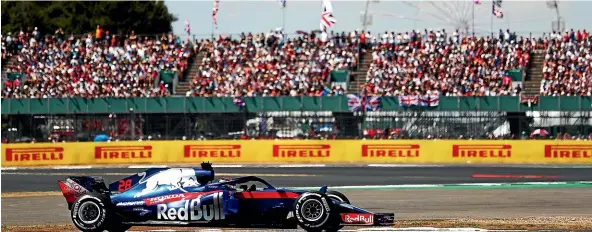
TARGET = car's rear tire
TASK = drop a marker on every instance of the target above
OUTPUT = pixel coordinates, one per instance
(314, 211)
(93, 212)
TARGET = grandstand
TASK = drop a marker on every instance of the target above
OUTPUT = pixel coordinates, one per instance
(255, 85)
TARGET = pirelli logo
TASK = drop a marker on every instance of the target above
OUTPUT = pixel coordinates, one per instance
(482, 151)
(34, 154)
(568, 151)
(212, 151)
(302, 151)
(123, 152)
(390, 150)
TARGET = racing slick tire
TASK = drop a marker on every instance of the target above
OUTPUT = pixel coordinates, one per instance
(314, 212)
(94, 212)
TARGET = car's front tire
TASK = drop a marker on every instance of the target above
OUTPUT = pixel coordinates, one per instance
(93, 213)
(338, 196)
(314, 211)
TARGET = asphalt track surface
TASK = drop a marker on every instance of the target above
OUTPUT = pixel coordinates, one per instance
(46, 179)
(407, 204)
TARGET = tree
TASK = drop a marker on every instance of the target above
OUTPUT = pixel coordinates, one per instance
(144, 17)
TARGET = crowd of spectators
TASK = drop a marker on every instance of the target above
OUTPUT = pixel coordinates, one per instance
(559, 136)
(434, 62)
(269, 65)
(102, 64)
(92, 65)
(567, 69)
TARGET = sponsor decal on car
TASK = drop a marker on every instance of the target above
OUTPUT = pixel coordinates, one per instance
(390, 150)
(71, 190)
(163, 199)
(212, 151)
(568, 151)
(123, 152)
(357, 218)
(302, 151)
(193, 210)
(34, 154)
(482, 151)
(143, 211)
(175, 197)
(130, 203)
(174, 178)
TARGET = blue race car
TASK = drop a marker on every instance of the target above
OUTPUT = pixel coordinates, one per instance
(188, 197)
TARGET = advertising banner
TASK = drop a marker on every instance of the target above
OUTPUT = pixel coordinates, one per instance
(300, 151)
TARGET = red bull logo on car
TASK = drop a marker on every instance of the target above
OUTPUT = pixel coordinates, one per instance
(358, 218)
(193, 210)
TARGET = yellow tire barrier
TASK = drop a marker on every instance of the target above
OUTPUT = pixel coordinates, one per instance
(300, 151)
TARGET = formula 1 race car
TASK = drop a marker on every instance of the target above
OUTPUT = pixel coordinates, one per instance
(188, 197)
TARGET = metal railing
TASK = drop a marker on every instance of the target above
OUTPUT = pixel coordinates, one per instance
(295, 124)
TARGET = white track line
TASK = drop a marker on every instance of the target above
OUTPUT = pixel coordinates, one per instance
(398, 186)
(422, 229)
(228, 166)
(268, 166)
(146, 166)
(485, 184)
(403, 165)
(72, 167)
(302, 165)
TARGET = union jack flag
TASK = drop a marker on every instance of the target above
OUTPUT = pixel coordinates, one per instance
(358, 102)
(215, 12)
(327, 19)
(495, 10)
(187, 27)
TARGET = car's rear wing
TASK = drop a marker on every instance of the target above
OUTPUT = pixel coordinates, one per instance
(76, 186)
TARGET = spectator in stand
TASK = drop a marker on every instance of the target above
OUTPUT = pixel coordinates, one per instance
(87, 67)
(567, 70)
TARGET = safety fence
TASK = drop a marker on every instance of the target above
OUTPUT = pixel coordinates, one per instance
(267, 104)
(287, 125)
(308, 151)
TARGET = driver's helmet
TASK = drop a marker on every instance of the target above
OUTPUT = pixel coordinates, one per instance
(223, 180)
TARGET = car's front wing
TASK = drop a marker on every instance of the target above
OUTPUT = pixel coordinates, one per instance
(352, 215)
